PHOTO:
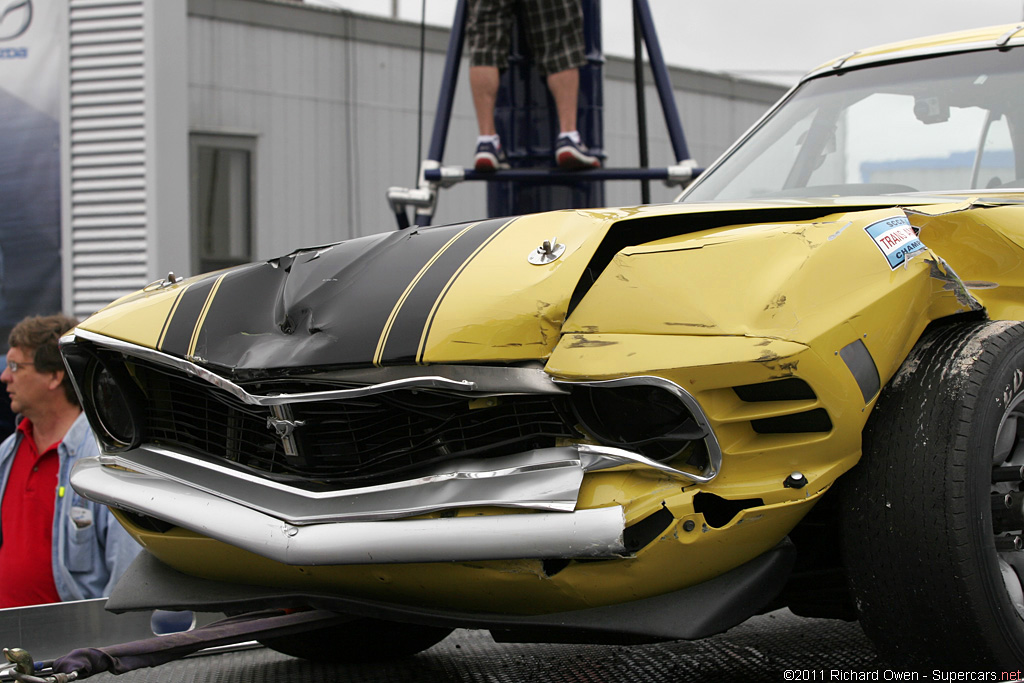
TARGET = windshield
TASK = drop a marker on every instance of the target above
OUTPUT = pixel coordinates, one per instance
(942, 123)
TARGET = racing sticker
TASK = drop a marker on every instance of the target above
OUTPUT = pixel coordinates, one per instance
(896, 238)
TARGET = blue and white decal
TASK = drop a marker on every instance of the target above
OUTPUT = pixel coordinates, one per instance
(896, 238)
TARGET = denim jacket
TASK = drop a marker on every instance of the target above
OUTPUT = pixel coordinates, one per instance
(88, 556)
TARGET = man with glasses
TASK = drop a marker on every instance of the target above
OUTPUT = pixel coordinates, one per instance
(54, 544)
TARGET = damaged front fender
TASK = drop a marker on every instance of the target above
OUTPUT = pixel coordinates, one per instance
(822, 283)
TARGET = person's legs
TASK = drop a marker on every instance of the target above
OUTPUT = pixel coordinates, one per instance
(555, 34)
(487, 42)
(483, 82)
(570, 152)
(565, 87)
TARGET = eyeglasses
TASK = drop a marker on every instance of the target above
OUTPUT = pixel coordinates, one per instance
(13, 365)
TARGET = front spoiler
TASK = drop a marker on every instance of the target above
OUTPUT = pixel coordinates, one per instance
(691, 613)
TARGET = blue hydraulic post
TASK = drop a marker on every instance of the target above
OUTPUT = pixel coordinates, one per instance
(445, 101)
(641, 104)
(642, 11)
(452, 60)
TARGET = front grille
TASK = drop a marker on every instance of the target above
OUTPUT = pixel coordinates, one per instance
(361, 440)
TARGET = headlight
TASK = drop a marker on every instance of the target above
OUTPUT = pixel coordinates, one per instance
(113, 413)
(641, 416)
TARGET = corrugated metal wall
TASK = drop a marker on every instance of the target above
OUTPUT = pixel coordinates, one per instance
(331, 99)
(107, 151)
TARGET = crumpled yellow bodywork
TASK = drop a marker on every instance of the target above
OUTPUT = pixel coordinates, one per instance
(710, 310)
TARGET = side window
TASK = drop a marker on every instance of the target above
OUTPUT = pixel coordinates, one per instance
(221, 168)
(914, 141)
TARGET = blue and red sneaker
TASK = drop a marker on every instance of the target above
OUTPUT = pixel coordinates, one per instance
(489, 158)
(572, 155)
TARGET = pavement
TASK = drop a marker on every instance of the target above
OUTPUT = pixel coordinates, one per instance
(773, 647)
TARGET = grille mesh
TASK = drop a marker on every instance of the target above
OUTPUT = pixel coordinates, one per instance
(363, 439)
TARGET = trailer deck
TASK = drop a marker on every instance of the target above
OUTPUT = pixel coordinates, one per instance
(761, 649)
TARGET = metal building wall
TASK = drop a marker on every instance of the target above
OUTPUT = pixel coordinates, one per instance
(331, 98)
(123, 148)
(107, 151)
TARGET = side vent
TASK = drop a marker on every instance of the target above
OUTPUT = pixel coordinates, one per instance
(862, 366)
(791, 389)
(796, 419)
(816, 420)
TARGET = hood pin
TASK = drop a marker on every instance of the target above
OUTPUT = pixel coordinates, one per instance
(547, 252)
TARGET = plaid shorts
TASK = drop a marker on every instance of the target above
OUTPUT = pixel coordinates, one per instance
(554, 32)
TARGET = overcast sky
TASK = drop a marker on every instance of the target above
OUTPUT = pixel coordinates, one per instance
(776, 39)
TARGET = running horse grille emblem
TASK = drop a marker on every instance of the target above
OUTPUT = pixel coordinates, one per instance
(284, 426)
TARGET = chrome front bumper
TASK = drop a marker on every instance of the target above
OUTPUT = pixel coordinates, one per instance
(302, 526)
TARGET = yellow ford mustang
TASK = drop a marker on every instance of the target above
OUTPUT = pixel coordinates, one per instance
(799, 386)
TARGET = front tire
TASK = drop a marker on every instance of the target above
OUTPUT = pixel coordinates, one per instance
(933, 572)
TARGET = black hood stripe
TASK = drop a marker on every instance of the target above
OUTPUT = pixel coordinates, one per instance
(389, 325)
(358, 302)
(181, 325)
(405, 333)
(202, 317)
(167, 321)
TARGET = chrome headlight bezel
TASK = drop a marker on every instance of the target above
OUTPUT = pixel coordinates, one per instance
(112, 411)
(109, 396)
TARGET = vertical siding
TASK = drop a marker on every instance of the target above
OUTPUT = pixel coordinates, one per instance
(107, 151)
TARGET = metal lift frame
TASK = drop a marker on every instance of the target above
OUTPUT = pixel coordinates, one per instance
(433, 176)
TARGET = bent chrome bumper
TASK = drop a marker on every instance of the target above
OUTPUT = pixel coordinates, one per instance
(586, 533)
(299, 525)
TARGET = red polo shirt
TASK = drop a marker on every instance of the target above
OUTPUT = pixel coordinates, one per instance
(26, 521)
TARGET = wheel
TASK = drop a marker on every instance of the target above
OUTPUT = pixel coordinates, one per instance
(359, 640)
(935, 574)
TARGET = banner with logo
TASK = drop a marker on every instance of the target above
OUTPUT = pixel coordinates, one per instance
(30, 64)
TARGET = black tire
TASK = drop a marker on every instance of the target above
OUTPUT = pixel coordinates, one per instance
(919, 545)
(359, 640)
